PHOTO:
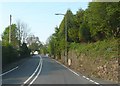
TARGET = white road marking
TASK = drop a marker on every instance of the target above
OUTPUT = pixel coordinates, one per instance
(9, 71)
(37, 73)
(97, 83)
(68, 68)
(77, 73)
(90, 80)
(33, 73)
(74, 72)
(84, 77)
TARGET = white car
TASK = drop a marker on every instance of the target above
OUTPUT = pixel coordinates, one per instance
(36, 52)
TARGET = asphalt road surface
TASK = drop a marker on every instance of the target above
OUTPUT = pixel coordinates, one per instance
(43, 70)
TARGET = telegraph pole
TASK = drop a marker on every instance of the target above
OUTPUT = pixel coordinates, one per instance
(10, 29)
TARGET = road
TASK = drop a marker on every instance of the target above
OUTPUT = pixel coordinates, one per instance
(43, 70)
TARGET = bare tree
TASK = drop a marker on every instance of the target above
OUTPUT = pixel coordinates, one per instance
(34, 43)
(23, 31)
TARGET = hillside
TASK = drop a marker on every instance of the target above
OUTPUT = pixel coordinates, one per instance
(98, 59)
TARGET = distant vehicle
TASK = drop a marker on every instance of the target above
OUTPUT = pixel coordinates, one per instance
(36, 52)
(47, 55)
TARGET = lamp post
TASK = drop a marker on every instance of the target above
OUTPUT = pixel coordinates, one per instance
(66, 54)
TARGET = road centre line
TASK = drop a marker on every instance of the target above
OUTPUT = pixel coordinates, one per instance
(9, 71)
(37, 73)
(77, 73)
(33, 73)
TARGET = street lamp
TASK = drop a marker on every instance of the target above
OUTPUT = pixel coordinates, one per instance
(59, 14)
(66, 54)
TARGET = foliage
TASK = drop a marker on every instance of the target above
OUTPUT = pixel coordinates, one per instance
(104, 49)
(14, 38)
(84, 33)
(103, 19)
(12, 51)
(9, 54)
(44, 50)
(0, 43)
(24, 51)
(113, 16)
(87, 29)
(34, 43)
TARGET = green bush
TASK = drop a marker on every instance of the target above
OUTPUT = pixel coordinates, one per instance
(24, 51)
(9, 54)
(104, 49)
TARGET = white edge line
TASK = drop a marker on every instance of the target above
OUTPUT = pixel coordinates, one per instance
(84, 77)
(37, 73)
(68, 68)
(33, 73)
(9, 71)
(91, 80)
(97, 83)
(74, 72)
(77, 73)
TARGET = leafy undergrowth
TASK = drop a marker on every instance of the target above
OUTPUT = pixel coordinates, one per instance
(98, 59)
(105, 49)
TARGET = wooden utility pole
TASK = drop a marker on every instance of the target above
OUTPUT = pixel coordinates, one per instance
(10, 29)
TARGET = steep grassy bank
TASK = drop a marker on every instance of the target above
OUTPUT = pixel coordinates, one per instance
(98, 59)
